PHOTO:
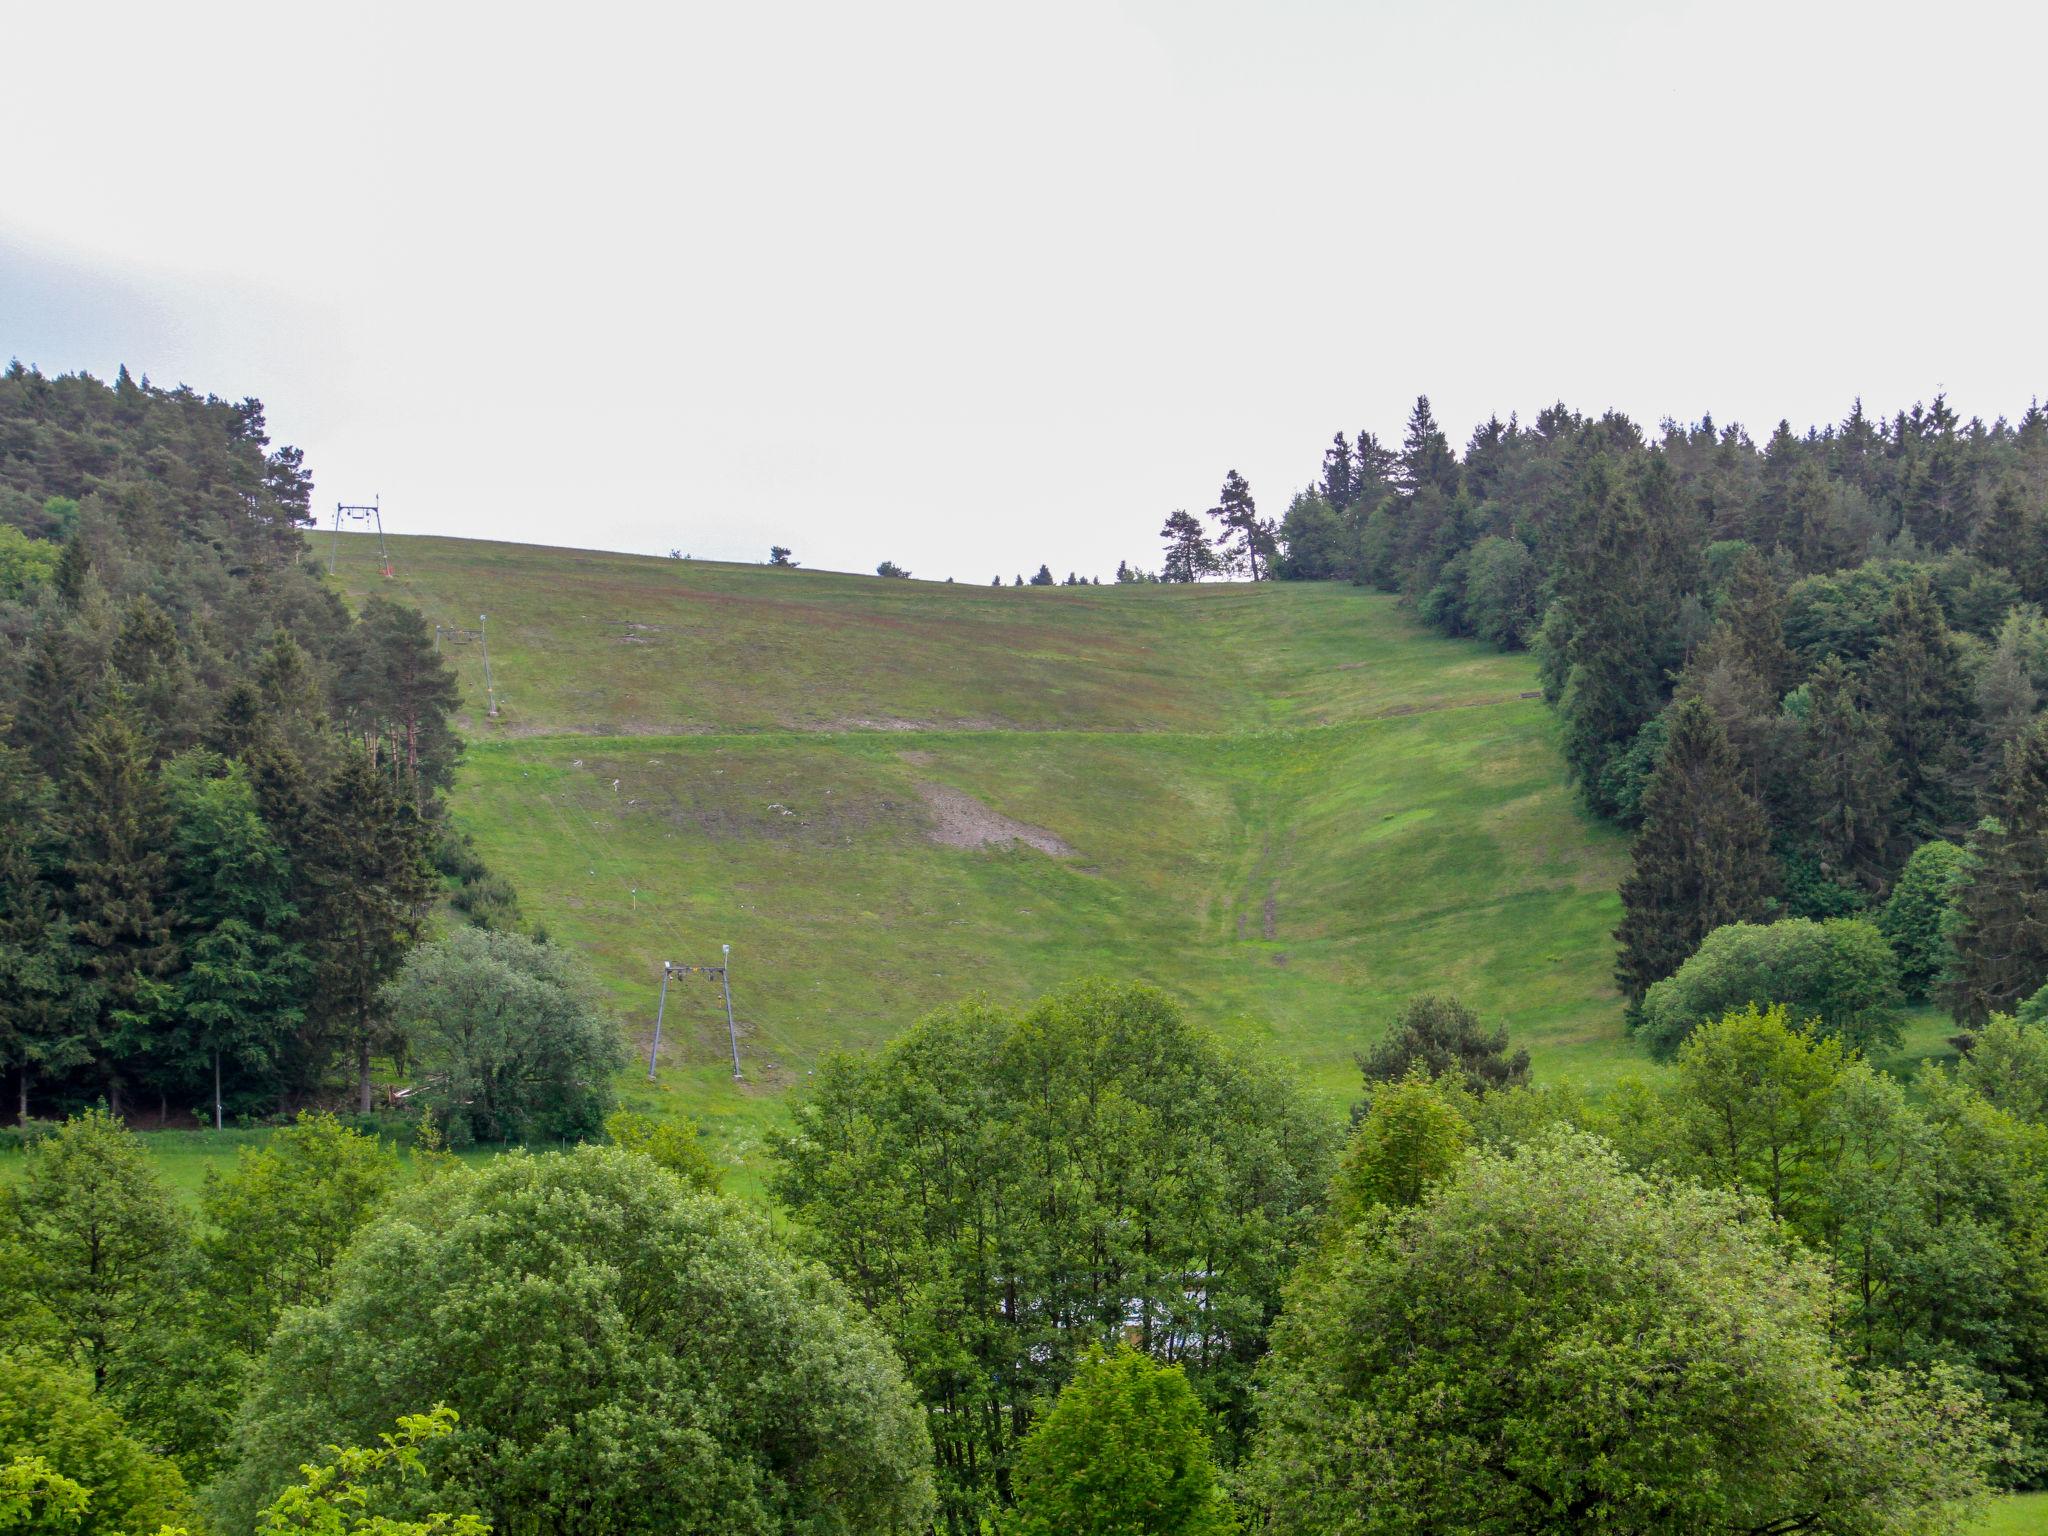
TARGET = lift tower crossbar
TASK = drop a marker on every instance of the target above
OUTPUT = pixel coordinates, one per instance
(722, 972)
(359, 512)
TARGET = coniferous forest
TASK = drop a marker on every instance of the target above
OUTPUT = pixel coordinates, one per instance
(1073, 1263)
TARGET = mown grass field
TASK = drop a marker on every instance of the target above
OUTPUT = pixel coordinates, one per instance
(2022, 1514)
(1287, 805)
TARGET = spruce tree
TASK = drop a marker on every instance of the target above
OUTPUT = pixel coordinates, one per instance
(1750, 623)
(2001, 925)
(1920, 689)
(1611, 681)
(40, 1028)
(1853, 785)
(148, 660)
(1426, 459)
(1340, 482)
(369, 886)
(119, 897)
(240, 991)
(1702, 858)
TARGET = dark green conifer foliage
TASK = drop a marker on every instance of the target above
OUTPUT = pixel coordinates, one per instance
(1701, 860)
(1918, 686)
(1751, 624)
(239, 995)
(370, 886)
(1189, 556)
(1426, 458)
(118, 901)
(40, 1028)
(154, 678)
(1611, 680)
(1853, 786)
(1243, 540)
(2001, 923)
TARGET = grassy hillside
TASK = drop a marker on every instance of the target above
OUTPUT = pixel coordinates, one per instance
(1287, 805)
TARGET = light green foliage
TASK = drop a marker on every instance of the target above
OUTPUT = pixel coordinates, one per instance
(275, 1224)
(1837, 976)
(673, 1145)
(2008, 1067)
(626, 1355)
(51, 1413)
(1411, 1137)
(1553, 1343)
(1004, 1191)
(346, 1494)
(507, 1040)
(38, 1500)
(1920, 912)
(99, 1237)
(25, 563)
(1755, 1093)
(1123, 1452)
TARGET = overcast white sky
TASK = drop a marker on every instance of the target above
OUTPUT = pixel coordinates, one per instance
(973, 287)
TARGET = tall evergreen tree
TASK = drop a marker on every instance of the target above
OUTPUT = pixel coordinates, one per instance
(1750, 624)
(1611, 681)
(1426, 457)
(370, 887)
(1702, 858)
(2001, 930)
(1919, 687)
(240, 988)
(1854, 787)
(1244, 541)
(1340, 473)
(40, 1028)
(118, 901)
(158, 685)
(1189, 556)
(396, 695)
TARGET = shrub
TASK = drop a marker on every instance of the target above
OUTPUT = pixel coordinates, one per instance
(1838, 976)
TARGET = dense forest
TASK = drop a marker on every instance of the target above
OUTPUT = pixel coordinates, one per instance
(1078, 1264)
(1808, 674)
(221, 793)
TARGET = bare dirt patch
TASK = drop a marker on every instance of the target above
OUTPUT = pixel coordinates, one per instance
(958, 820)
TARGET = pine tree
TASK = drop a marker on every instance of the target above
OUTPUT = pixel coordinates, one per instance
(119, 898)
(1853, 786)
(396, 695)
(1701, 860)
(1920, 689)
(2001, 931)
(1243, 539)
(370, 887)
(1188, 555)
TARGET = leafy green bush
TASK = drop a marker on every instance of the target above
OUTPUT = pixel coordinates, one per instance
(1839, 976)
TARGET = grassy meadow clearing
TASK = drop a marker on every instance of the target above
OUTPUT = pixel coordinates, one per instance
(1287, 805)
